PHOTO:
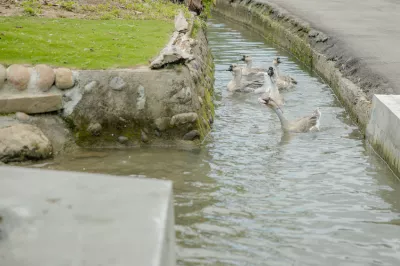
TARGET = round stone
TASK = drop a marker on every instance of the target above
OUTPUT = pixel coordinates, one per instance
(191, 135)
(122, 139)
(22, 116)
(3, 75)
(64, 78)
(94, 129)
(46, 77)
(18, 76)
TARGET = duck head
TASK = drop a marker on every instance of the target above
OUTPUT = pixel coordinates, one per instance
(245, 58)
(276, 61)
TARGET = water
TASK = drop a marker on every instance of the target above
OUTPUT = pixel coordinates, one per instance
(255, 197)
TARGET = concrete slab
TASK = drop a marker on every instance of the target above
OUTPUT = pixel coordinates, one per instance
(367, 28)
(30, 104)
(383, 130)
(50, 218)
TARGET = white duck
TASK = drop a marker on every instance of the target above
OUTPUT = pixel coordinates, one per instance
(270, 88)
(237, 84)
(300, 125)
(283, 81)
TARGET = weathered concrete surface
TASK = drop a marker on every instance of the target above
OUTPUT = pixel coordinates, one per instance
(367, 30)
(383, 130)
(64, 218)
(30, 103)
(347, 72)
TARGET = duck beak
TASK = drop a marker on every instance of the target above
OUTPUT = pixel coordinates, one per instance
(263, 101)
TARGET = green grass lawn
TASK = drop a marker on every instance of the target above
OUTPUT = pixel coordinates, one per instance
(82, 44)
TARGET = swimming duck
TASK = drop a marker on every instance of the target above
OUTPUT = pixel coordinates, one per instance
(238, 84)
(249, 66)
(270, 88)
(283, 81)
(300, 125)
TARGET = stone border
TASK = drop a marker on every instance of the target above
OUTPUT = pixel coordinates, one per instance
(168, 103)
(312, 47)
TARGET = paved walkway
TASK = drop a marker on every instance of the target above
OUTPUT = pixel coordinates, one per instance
(370, 29)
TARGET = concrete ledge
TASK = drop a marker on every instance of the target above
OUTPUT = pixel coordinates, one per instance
(31, 104)
(52, 218)
(383, 130)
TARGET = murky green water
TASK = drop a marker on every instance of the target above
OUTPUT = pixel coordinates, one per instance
(252, 197)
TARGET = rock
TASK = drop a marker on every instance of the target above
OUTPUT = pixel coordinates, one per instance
(90, 86)
(117, 83)
(23, 142)
(141, 99)
(94, 129)
(144, 137)
(181, 25)
(183, 96)
(157, 133)
(191, 135)
(162, 123)
(200, 100)
(22, 116)
(122, 139)
(3, 75)
(46, 77)
(183, 119)
(170, 55)
(18, 76)
(31, 103)
(64, 78)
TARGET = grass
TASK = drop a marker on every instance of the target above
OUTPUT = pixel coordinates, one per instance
(83, 44)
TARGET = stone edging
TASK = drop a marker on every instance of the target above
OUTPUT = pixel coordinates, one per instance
(314, 48)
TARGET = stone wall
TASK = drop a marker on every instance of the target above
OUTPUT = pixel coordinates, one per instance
(312, 47)
(165, 103)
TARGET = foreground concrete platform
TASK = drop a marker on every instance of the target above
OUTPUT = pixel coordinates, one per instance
(383, 130)
(368, 29)
(52, 218)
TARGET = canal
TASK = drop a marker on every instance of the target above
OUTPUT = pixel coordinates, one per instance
(252, 196)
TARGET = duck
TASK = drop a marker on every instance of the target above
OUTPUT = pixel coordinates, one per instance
(249, 66)
(237, 84)
(251, 76)
(270, 88)
(304, 124)
(283, 81)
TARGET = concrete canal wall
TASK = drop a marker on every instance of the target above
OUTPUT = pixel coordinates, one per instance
(67, 218)
(383, 130)
(357, 61)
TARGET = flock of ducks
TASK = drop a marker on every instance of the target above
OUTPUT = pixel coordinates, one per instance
(269, 82)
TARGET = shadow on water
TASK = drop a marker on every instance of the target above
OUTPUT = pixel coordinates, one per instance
(256, 196)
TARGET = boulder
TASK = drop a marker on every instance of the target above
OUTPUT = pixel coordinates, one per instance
(21, 142)
(184, 118)
(171, 55)
(117, 83)
(191, 135)
(18, 76)
(3, 75)
(64, 78)
(31, 103)
(46, 77)
(181, 25)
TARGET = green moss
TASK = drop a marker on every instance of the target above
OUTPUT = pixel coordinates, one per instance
(99, 44)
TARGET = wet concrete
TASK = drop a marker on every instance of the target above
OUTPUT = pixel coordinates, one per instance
(366, 30)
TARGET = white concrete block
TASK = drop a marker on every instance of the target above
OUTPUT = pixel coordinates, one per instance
(50, 218)
(383, 130)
